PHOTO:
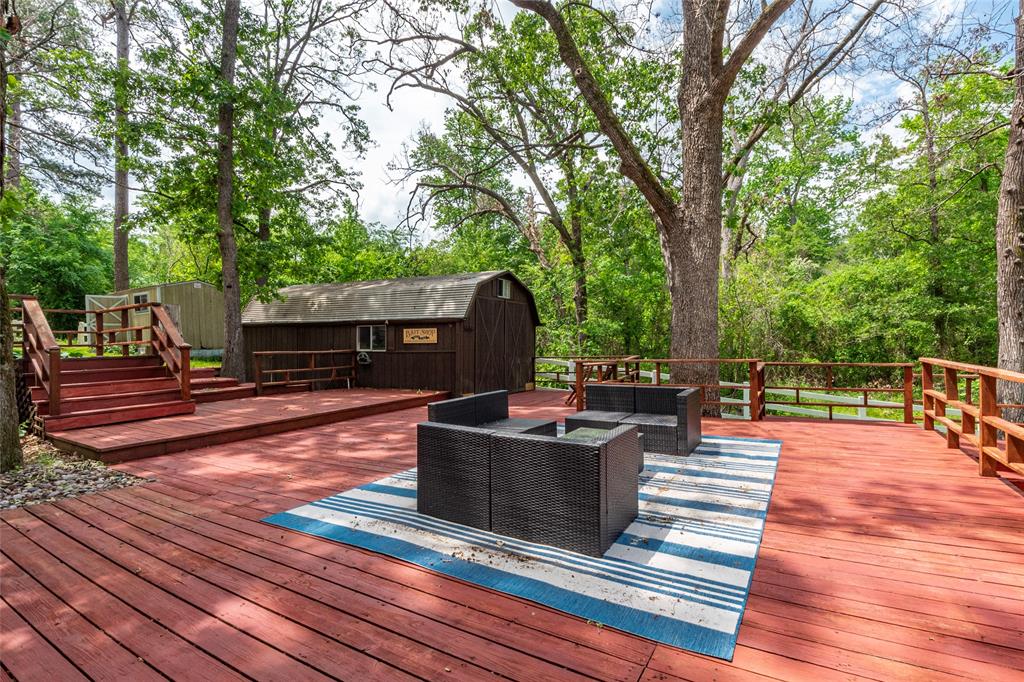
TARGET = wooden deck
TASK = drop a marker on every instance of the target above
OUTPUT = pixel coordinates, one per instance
(234, 420)
(885, 557)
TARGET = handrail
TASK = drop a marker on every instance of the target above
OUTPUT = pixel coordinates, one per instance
(167, 342)
(312, 368)
(979, 424)
(41, 349)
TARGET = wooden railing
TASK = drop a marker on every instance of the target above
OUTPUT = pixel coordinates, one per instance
(103, 336)
(166, 341)
(981, 423)
(905, 390)
(709, 392)
(42, 351)
(309, 373)
(760, 385)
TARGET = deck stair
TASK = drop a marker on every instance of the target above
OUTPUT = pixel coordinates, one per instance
(80, 392)
(110, 390)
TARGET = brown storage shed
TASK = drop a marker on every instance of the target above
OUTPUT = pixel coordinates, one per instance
(465, 333)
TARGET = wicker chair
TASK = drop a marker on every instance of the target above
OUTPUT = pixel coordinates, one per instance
(668, 417)
(578, 496)
(453, 471)
(487, 411)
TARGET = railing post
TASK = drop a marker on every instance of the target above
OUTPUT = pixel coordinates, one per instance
(908, 394)
(257, 368)
(99, 333)
(988, 407)
(657, 373)
(755, 391)
(951, 389)
(54, 386)
(580, 397)
(928, 401)
(185, 365)
(124, 325)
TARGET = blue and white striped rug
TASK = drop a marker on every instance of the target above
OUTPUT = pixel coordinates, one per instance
(680, 574)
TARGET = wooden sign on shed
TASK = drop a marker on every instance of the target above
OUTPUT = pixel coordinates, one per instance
(419, 335)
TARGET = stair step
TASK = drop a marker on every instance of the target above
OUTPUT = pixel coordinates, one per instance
(98, 402)
(117, 415)
(204, 372)
(210, 395)
(80, 376)
(97, 388)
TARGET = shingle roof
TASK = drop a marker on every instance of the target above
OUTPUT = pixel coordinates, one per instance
(411, 298)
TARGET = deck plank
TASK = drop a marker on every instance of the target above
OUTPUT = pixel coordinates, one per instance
(867, 570)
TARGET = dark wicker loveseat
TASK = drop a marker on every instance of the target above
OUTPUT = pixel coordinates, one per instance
(517, 478)
(668, 417)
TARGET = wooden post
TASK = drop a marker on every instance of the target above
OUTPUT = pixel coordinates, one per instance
(54, 387)
(908, 395)
(124, 325)
(755, 392)
(185, 364)
(927, 384)
(257, 368)
(657, 373)
(99, 333)
(580, 397)
(951, 389)
(988, 407)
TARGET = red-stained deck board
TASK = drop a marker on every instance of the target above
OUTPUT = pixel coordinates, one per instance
(229, 421)
(885, 557)
(87, 647)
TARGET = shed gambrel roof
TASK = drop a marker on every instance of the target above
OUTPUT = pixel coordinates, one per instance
(441, 297)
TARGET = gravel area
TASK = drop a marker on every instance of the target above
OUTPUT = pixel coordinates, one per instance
(49, 474)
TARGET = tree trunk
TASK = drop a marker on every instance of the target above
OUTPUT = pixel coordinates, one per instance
(3, 116)
(10, 439)
(12, 174)
(692, 244)
(121, 279)
(1010, 246)
(233, 362)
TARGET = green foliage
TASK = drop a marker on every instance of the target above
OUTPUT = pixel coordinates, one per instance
(55, 251)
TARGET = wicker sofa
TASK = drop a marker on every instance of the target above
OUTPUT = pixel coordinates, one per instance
(453, 455)
(668, 417)
(517, 478)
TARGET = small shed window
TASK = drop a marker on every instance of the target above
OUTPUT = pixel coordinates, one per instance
(504, 288)
(372, 337)
(139, 299)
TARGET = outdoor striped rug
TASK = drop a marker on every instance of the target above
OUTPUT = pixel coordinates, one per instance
(680, 574)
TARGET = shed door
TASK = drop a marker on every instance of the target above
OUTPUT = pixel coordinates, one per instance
(518, 353)
(491, 358)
